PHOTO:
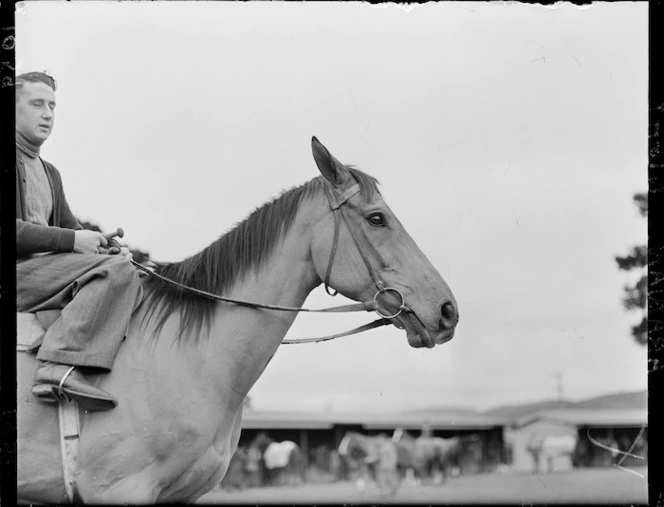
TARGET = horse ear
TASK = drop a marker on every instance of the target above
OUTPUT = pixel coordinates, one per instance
(333, 170)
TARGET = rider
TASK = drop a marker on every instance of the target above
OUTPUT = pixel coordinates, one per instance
(59, 265)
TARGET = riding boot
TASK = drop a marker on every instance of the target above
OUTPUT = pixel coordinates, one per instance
(54, 382)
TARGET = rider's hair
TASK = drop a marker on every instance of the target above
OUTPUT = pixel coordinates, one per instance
(35, 77)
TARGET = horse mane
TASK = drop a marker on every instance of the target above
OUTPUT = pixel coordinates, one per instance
(217, 267)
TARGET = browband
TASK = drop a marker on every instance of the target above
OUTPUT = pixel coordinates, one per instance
(336, 201)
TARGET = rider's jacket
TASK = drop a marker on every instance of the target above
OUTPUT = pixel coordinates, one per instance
(58, 236)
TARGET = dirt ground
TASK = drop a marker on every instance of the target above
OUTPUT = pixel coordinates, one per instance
(599, 486)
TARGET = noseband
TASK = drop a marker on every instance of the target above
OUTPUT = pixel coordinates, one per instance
(336, 205)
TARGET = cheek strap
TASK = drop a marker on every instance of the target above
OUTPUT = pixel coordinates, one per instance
(336, 201)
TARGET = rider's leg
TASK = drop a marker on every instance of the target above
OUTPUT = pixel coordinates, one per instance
(97, 294)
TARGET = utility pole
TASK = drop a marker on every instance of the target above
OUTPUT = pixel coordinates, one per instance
(559, 384)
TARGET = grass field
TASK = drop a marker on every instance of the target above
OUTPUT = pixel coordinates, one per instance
(586, 486)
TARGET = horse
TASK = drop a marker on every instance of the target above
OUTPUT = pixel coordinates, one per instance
(189, 359)
(431, 458)
(406, 458)
(286, 464)
(278, 463)
(438, 457)
(375, 457)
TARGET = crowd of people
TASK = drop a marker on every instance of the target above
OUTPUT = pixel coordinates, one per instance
(384, 459)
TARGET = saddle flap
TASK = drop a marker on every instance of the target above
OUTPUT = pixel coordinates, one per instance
(31, 328)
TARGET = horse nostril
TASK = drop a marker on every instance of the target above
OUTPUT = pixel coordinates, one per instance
(450, 315)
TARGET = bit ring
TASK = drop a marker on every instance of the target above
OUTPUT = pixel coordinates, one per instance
(401, 306)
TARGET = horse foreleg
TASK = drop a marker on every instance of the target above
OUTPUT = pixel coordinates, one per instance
(363, 479)
(411, 478)
(395, 481)
(387, 480)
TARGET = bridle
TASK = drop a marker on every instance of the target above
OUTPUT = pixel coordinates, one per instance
(337, 202)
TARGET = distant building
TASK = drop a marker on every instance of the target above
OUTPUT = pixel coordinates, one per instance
(598, 435)
(319, 433)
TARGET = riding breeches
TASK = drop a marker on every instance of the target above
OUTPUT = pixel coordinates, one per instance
(97, 294)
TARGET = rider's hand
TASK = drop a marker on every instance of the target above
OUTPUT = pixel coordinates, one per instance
(114, 248)
(126, 252)
(86, 241)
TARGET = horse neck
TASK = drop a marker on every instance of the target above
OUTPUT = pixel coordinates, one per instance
(245, 339)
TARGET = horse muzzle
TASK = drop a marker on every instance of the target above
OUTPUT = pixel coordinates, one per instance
(419, 335)
(390, 304)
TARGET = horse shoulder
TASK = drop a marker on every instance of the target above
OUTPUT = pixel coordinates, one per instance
(143, 451)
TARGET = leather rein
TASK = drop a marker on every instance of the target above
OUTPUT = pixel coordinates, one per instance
(336, 205)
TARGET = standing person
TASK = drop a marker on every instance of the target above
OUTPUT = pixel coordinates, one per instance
(534, 447)
(59, 265)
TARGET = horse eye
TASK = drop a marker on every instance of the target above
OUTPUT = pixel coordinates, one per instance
(376, 219)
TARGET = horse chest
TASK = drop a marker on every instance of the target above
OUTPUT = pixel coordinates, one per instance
(153, 473)
(196, 478)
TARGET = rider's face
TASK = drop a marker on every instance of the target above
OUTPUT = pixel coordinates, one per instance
(35, 111)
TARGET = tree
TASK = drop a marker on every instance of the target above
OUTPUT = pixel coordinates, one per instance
(636, 296)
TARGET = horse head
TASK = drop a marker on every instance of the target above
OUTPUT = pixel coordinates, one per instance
(353, 447)
(370, 256)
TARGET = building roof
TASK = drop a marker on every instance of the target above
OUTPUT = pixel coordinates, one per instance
(438, 421)
(589, 417)
(305, 420)
(285, 420)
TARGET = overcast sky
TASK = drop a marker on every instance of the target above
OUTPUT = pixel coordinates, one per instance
(508, 138)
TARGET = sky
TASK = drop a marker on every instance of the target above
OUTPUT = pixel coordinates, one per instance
(509, 140)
